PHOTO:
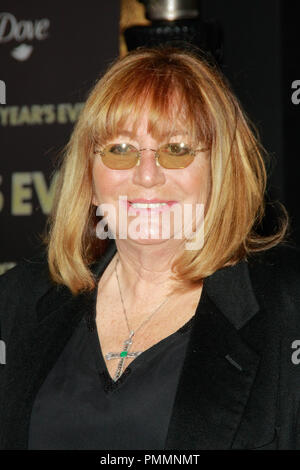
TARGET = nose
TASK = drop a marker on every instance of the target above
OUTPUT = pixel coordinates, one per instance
(148, 172)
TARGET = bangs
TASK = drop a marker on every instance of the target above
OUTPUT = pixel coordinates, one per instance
(173, 104)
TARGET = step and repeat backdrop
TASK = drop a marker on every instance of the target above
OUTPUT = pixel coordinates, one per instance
(50, 56)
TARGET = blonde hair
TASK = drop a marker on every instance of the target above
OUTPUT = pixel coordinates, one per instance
(212, 115)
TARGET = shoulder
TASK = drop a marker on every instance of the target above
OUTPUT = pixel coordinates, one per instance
(31, 272)
(275, 277)
(284, 253)
(21, 287)
(280, 263)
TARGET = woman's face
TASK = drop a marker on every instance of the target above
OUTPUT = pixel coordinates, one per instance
(181, 189)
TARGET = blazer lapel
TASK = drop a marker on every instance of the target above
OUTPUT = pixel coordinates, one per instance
(219, 367)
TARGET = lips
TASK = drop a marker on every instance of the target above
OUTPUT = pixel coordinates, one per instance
(147, 205)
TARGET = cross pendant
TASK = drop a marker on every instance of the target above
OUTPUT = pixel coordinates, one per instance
(122, 355)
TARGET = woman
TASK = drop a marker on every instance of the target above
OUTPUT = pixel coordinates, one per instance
(125, 338)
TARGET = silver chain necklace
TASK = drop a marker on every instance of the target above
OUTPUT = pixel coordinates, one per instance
(124, 354)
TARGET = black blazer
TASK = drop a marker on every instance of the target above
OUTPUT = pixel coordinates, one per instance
(240, 383)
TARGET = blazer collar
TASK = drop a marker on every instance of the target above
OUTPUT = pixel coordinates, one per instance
(230, 288)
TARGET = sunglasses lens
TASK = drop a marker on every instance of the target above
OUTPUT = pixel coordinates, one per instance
(175, 156)
(120, 156)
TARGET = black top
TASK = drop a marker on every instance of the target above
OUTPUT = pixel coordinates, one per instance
(79, 406)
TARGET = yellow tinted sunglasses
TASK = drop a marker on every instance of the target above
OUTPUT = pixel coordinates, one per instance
(123, 156)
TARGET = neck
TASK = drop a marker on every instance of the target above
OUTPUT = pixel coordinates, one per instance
(147, 268)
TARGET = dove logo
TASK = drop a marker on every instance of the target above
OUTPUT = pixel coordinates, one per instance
(2, 92)
(24, 30)
(22, 52)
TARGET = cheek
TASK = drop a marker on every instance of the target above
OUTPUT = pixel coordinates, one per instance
(199, 181)
(101, 184)
(106, 183)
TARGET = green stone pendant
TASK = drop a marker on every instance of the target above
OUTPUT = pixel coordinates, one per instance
(122, 356)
